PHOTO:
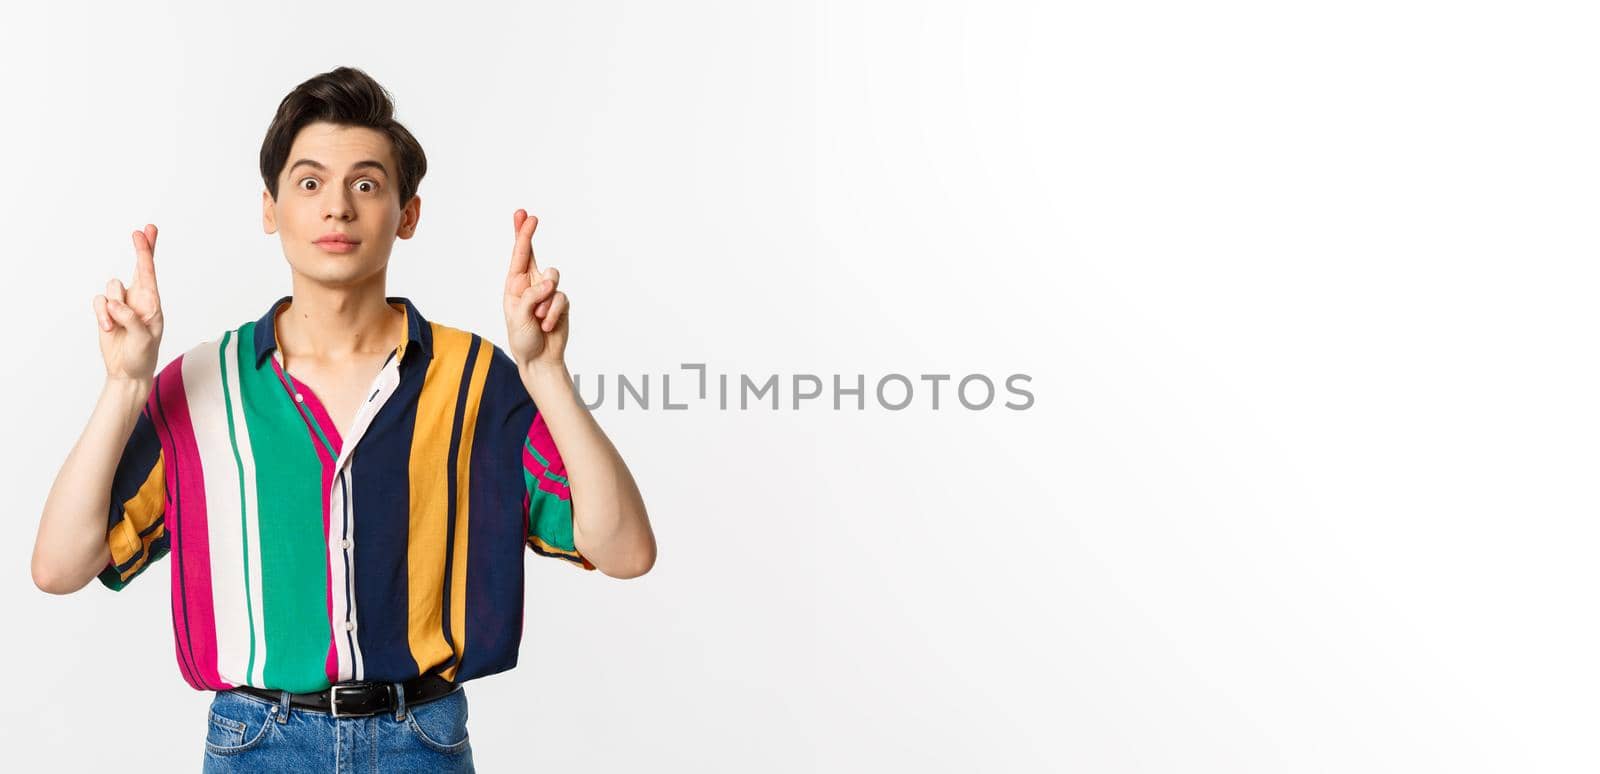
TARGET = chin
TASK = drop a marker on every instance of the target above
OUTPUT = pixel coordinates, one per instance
(330, 270)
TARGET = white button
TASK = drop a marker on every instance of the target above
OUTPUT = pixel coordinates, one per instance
(349, 626)
(298, 398)
(344, 543)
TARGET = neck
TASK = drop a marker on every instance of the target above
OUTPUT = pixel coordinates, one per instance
(323, 323)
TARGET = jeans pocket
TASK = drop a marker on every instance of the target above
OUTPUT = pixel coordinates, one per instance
(440, 724)
(236, 724)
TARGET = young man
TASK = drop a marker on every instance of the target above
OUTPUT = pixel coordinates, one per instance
(344, 487)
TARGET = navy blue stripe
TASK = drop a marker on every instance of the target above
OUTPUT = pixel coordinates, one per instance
(382, 529)
(498, 523)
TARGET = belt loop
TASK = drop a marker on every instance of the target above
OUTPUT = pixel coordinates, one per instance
(283, 707)
(399, 702)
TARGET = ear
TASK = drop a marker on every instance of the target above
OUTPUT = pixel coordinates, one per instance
(409, 215)
(269, 218)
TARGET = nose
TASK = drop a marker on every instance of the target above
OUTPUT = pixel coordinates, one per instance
(338, 206)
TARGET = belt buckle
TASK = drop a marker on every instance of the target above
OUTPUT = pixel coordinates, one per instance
(333, 699)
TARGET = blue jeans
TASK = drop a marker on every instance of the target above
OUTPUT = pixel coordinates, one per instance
(249, 733)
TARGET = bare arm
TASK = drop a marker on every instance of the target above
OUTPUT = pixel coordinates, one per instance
(610, 526)
(70, 548)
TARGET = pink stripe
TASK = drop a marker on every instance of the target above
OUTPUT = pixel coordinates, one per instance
(194, 619)
(539, 434)
(330, 664)
(158, 415)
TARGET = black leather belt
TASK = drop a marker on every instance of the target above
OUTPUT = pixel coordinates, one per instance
(357, 697)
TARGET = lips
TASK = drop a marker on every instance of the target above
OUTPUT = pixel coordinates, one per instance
(336, 243)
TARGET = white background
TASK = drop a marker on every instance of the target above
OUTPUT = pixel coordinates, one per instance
(1306, 292)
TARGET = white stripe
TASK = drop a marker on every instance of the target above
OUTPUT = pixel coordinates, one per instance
(252, 515)
(337, 573)
(360, 667)
(202, 385)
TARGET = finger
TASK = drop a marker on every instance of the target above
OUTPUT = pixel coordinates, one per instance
(523, 310)
(125, 316)
(101, 316)
(543, 291)
(521, 246)
(515, 285)
(144, 246)
(547, 281)
(558, 306)
(533, 262)
(115, 291)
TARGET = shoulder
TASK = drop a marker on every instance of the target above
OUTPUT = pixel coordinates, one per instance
(204, 359)
(477, 366)
(469, 349)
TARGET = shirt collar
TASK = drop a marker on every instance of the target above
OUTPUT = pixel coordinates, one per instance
(417, 329)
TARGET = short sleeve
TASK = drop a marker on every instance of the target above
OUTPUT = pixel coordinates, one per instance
(548, 500)
(136, 531)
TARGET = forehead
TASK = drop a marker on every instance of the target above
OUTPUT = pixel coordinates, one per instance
(340, 146)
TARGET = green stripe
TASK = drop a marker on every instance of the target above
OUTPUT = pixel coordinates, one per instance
(293, 582)
(549, 516)
(317, 428)
(528, 442)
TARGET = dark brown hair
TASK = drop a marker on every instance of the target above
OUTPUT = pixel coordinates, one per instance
(348, 97)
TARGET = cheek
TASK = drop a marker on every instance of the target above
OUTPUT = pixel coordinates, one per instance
(383, 222)
(296, 217)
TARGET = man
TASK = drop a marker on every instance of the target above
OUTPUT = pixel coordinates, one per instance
(344, 487)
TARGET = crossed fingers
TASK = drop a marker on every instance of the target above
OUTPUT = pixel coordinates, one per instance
(143, 295)
(525, 273)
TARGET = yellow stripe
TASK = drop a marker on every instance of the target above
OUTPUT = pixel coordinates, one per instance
(458, 581)
(138, 513)
(550, 549)
(430, 459)
(405, 338)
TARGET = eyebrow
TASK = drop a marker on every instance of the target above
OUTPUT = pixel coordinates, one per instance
(364, 164)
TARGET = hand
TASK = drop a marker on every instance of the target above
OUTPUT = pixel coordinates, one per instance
(130, 320)
(536, 319)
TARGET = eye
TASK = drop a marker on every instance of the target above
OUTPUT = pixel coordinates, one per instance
(372, 184)
(303, 181)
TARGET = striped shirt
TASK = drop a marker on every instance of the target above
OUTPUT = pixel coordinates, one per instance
(300, 558)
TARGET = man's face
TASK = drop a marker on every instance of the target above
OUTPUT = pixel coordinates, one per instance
(329, 184)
